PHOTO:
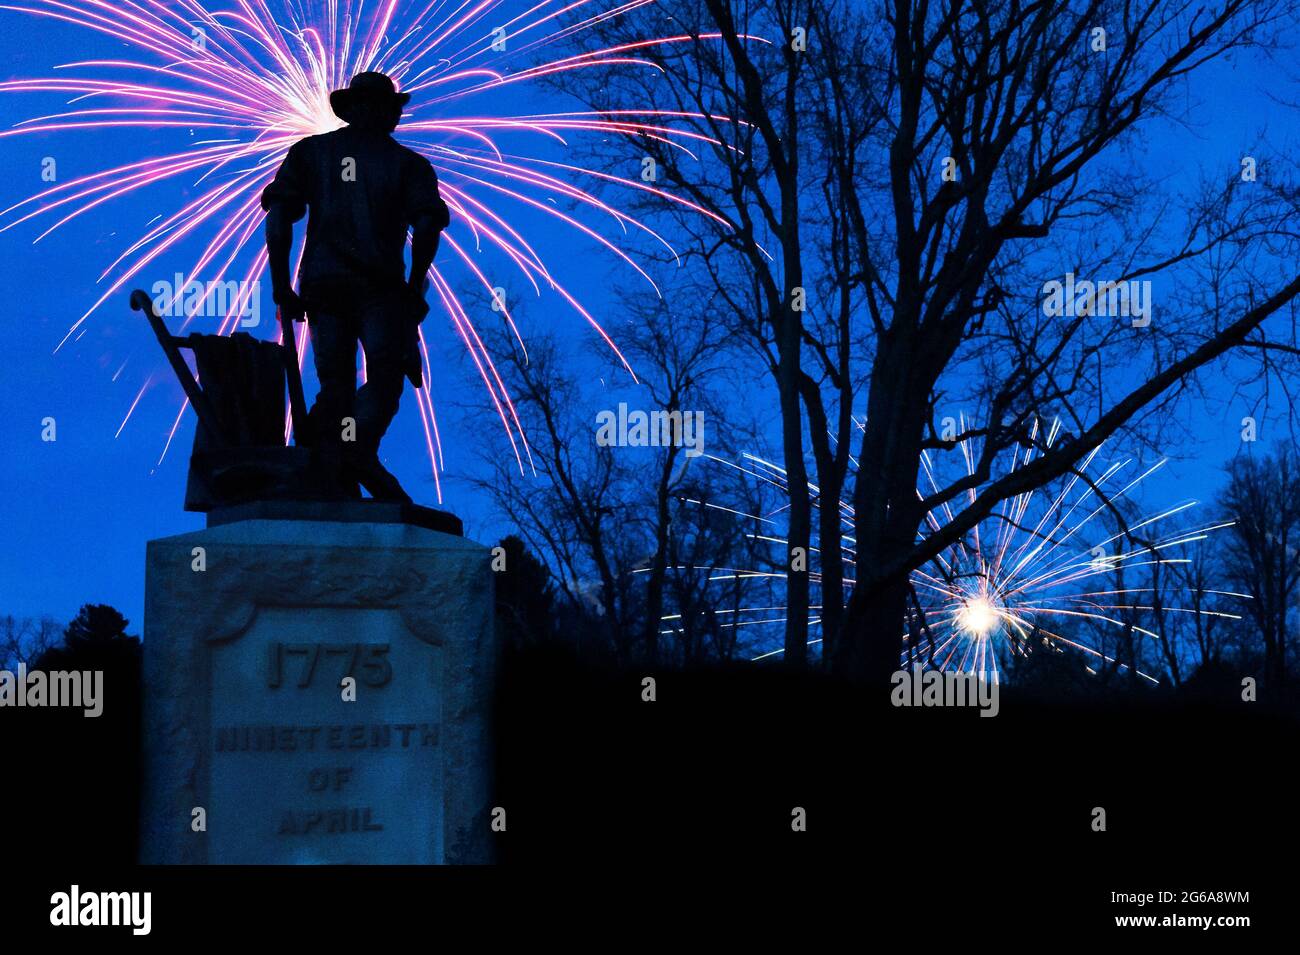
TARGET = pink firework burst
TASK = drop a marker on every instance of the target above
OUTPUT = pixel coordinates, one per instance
(254, 78)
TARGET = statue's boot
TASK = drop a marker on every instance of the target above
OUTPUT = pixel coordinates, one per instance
(336, 473)
(378, 480)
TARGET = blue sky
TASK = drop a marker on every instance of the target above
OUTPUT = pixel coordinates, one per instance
(75, 513)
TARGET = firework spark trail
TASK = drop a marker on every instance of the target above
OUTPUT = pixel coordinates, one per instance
(258, 74)
(1017, 579)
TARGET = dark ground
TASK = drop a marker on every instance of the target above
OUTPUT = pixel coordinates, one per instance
(928, 818)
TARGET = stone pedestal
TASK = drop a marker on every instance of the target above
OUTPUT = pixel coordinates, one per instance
(321, 690)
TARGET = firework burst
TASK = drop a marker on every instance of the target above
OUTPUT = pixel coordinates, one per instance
(1034, 576)
(238, 86)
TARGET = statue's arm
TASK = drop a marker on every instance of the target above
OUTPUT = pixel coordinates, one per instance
(425, 232)
(285, 202)
(429, 216)
(279, 243)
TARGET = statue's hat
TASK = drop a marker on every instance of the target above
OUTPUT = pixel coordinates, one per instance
(367, 92)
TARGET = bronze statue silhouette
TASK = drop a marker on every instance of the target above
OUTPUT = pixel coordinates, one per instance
(361, 192)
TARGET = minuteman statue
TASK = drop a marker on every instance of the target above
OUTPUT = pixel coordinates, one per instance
(362, 192)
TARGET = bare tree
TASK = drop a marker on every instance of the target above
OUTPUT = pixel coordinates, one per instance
(24, 639)
(764, 195)
(573, 522)
(1263, 553)
(681, 361)
(999, 124)
(1194, 616)
(979, 152)
(1034, 115)
(630, 533)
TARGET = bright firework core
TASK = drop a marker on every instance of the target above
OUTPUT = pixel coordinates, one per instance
(978, 616)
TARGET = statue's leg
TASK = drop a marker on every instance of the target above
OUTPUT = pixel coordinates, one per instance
(377, 399)
(334, 350)
(382, 337)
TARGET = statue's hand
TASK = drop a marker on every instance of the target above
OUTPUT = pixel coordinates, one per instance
(416, 302)
(290, 304)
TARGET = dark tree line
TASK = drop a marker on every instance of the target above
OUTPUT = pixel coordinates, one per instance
(80, 777)
(95, 639)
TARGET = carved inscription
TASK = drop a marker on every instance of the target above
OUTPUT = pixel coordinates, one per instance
(316, 776)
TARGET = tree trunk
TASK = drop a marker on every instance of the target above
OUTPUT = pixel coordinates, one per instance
(886, 519)
(797, 557)
(869, 647)
(658, 569)
(832, 565)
